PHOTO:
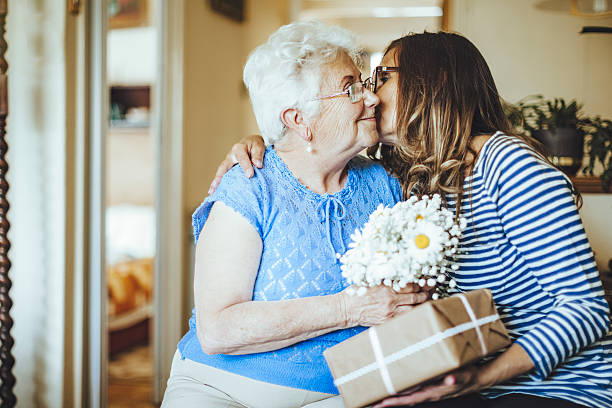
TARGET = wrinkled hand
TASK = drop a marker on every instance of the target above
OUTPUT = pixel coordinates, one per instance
(380, 303)
(247, 152)
(459, 382)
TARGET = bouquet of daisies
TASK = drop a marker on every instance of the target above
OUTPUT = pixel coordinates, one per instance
(411, 242)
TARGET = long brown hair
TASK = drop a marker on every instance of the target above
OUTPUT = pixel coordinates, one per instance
(446, 96)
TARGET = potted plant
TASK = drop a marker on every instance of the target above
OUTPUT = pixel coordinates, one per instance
(558, 125)
(563, 130)
(599, 149)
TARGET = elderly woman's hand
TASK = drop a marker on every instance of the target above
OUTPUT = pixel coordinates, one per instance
(248, 152)
(380, 303)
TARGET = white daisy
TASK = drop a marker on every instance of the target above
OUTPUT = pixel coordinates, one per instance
(425, 243)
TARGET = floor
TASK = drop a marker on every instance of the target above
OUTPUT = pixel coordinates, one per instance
(130, 379)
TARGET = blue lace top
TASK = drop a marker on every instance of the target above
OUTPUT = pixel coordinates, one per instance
(301, 233)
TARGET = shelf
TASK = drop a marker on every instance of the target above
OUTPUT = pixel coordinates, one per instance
(131, 96)
(123, 124)
(589, 185)
(129, 106)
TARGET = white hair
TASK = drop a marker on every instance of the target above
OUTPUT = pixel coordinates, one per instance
(285, 72)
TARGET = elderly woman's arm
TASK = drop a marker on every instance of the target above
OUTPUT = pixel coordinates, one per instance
(229, 322)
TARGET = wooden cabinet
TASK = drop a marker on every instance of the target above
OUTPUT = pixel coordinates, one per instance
(590, 185)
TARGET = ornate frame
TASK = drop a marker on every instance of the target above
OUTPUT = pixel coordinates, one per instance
(7, 361)
(135, 18)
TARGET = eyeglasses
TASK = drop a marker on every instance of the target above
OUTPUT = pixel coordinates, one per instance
(354, 92)
(379, 76)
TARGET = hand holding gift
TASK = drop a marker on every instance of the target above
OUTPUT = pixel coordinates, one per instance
(416, 346)
(459, 382)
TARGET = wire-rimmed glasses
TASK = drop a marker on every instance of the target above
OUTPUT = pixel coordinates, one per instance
(354, 92)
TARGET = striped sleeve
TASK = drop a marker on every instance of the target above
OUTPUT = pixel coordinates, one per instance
(540, 219)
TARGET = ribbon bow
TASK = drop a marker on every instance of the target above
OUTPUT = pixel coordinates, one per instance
(324, 209)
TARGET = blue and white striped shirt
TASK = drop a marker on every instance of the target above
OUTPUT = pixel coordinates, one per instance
(525, 241)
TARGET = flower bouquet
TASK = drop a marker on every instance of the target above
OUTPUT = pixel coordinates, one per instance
(411, 242)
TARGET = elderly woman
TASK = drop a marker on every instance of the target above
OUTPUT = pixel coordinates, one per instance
(445, 131)
(269, 296)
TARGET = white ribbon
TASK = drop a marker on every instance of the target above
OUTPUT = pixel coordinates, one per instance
(381, 362)
(470, 312)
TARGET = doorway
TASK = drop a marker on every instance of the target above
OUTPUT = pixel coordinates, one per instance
(133, 230)
(130, 169)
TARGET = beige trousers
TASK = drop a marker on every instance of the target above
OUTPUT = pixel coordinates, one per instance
(192, 385)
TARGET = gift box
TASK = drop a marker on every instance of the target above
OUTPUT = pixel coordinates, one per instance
(425, 342)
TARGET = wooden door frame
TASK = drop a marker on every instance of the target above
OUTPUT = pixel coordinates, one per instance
(168, 325)
(96, 351)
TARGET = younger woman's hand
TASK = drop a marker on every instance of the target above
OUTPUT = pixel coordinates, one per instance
(380, 303)
(459, 382)
(466, 380)
(248, 152)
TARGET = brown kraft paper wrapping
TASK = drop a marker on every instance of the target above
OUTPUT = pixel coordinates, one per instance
(420, 344)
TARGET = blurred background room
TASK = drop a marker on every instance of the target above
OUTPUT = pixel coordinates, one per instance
(130, 201)
(120, 112)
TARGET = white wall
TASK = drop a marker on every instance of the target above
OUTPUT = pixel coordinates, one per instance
(130, 167)
(217, 109)
(131, 56)
(263, 19)
(535, 51)
(596, 215)
(36, 136)
(130, 158)
(532, 51)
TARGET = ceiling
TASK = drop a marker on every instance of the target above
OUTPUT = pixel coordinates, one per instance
(377, 22)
